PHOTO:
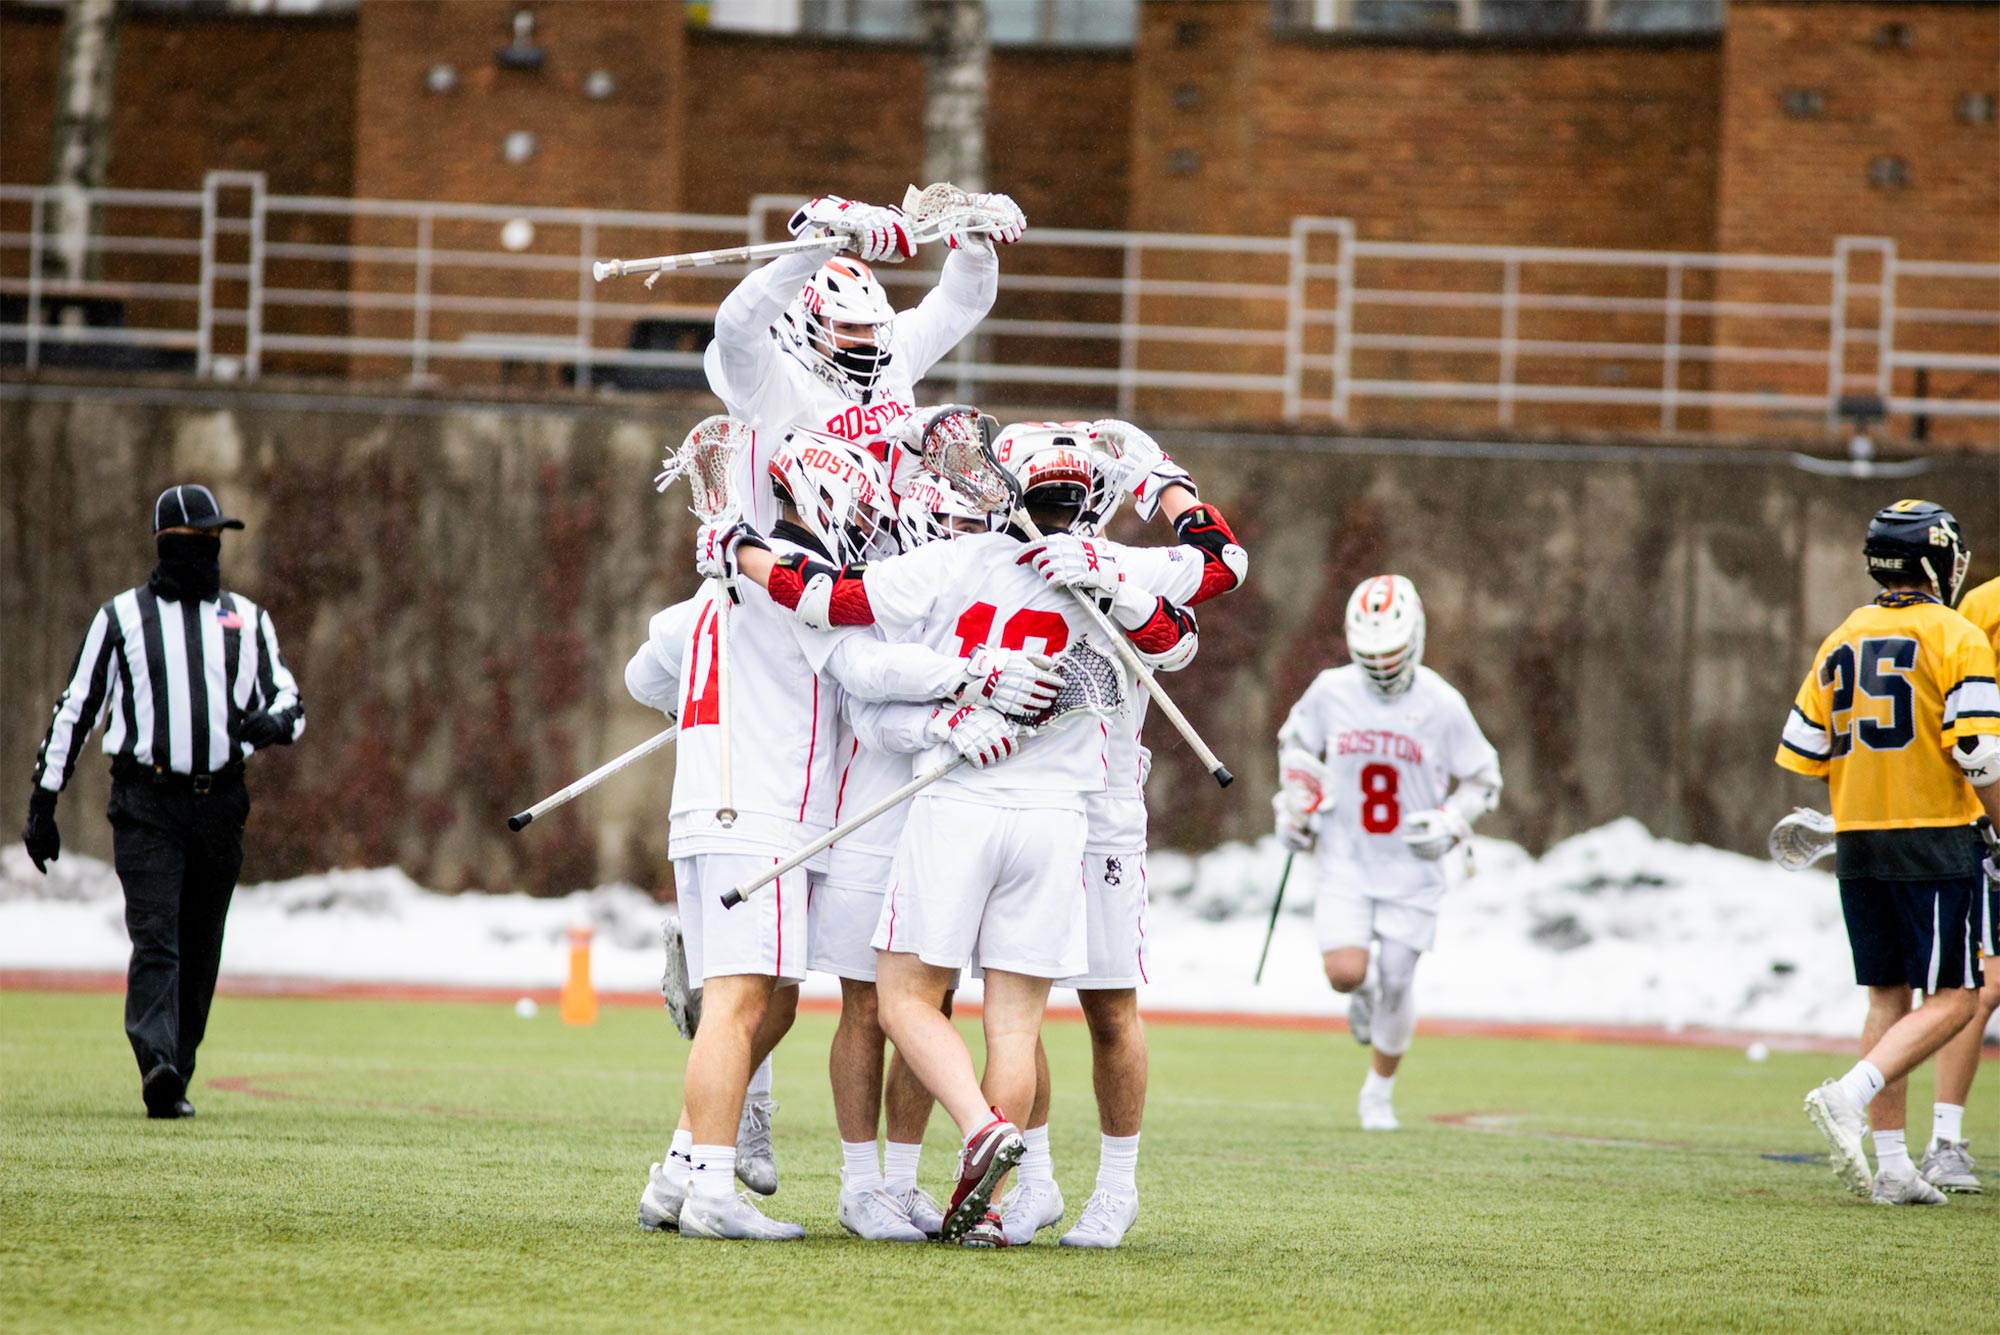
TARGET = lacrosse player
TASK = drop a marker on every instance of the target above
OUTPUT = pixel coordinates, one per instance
(1947, 1163)
(1900, 715)
(990, 860)
(1124, 460)
(1382, 770)
(808, 342)
(833, 502)
(813, 342)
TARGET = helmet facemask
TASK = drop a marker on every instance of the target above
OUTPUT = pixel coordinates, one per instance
(838, 326)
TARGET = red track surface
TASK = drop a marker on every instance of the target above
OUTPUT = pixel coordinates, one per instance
(59, 980)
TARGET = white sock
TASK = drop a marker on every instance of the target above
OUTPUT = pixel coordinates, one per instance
(760, 1081)
(1378, 1086)
(1863, 1083)
(859, 1169)
(1118, 1164)
(680, 1160)
(1891, 1154)
(714, 1173)
(899, 1165)
(1037, 1165)
(1947, 1121)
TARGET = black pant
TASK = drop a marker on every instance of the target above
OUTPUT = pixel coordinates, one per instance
(178, 854)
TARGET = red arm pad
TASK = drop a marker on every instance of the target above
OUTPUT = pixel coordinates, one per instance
(846, 606)
(1223, 562)
(1163, 630)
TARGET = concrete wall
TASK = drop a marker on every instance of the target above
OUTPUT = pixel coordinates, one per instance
(458, 586)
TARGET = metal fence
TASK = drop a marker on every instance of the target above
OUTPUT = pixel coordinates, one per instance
(231, 281)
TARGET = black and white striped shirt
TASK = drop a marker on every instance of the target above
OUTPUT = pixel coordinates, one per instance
(170, 681)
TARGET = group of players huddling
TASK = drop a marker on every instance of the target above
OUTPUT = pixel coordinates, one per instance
(884, 622)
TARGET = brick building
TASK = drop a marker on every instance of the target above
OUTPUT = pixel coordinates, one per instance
(1790, 126)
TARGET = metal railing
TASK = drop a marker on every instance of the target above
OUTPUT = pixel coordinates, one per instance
(234, 282)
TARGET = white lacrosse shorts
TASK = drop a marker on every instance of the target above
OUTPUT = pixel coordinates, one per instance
(840, 922)
(1115, 923)
(1345, 917)
(1001, 887)
(766, 934)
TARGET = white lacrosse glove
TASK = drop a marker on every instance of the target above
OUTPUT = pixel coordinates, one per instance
(1432, 834)
(1136, 464)
(1297, 827)
(1070, 562)
(983, 736)
(716, 541)
(1015, 683)
(871, 231)
(1002, 214)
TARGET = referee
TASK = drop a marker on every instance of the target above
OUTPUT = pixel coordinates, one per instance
(188, 682)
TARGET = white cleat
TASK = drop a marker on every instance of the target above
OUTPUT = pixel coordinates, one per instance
(922, 1210)
(1106, 1217)
(1361, 1015)
(876, 1216)
(1377, 1113)
(683, 998)
(660, 1203)
(735, 1217)
(1948, 1167)
(1841, 1123)
(1029, 1208)
(1905, 1189)
(756, 1161)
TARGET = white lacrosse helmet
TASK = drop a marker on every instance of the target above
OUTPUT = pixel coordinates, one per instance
(839, 492)
(1385, 632)
(932, 508)
(842, 291)
(1053, 463)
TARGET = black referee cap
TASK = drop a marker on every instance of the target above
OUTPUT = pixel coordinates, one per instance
(191, 505)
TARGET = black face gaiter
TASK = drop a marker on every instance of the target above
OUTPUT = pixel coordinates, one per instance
(190, 568)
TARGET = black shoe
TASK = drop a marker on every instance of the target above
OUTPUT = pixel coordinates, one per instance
(183, 1109)
(164, 1091)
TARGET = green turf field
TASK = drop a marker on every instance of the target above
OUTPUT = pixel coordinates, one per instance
(450, 1167)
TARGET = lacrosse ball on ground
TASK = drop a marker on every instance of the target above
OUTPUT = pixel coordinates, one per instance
(1756, 1052)
(526, 1008)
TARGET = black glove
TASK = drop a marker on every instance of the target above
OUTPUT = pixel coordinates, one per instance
(262, 730)
(40, 834)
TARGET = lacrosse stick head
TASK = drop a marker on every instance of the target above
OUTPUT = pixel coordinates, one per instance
(704, 458)
(943, 208)
(956, 443)
(1801, 839)
(1093, 684)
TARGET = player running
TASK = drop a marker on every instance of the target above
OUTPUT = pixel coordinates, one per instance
(1900, 715)
(1207, 562)
(1382, 769)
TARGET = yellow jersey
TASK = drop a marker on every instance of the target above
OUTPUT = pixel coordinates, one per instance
(1982, 608)
(1888, 695)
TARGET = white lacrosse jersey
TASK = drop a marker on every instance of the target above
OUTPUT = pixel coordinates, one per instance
(783, 718)
(653, 675)
(1384, 759)
(957, 596)
(761, 383)
(1116, 817)
(866, 776)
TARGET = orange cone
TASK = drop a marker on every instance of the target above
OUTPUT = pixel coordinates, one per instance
(579, 998)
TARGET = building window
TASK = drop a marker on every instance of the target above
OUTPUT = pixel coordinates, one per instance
(1086, 23)
(1804, 104)
(1888, 172)
(1500, 18)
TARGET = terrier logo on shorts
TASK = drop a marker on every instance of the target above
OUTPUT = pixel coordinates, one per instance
(1113, 867)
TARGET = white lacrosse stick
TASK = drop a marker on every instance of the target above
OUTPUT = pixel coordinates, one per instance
(1092, 686)
(962, 453)
(520, 819)
(935, 212)
(704, 458)
(1801, 839)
